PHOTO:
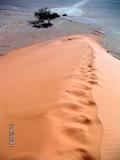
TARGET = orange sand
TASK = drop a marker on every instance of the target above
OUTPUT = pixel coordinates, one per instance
(46, 90)
(107, 98)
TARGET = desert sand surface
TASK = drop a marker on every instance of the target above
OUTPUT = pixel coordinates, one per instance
(107, 98)
(57, 94)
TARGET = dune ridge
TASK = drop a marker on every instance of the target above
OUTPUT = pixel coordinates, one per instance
(107, 97)
(51, 103)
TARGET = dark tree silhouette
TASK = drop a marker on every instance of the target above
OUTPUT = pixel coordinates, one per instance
(45, 15)
(64, 15)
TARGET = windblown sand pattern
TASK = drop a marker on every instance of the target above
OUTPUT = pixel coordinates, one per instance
(51, 103)
(77, 113)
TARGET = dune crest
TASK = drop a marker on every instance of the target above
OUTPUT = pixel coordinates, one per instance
(51, 103)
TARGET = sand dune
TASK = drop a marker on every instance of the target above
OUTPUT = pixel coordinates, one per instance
(47, 93)
(108, 101)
